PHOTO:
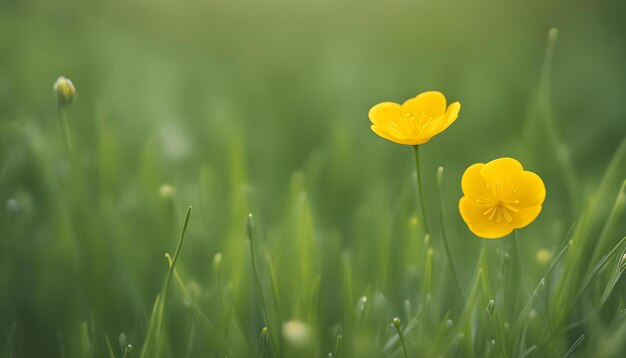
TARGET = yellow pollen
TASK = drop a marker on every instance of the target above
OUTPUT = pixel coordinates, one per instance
(499, 210)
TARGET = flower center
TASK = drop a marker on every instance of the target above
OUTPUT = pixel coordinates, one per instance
(413, 124)
(501, 205)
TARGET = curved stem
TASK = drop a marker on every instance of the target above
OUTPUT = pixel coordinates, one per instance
(444, 233)
(419, 186)
(170, 273)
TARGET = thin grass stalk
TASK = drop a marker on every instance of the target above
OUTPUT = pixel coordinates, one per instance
(257, 280)
(444, 233)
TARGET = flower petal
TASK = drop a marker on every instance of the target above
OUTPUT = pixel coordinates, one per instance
(525, 216)
(382, 132)
(473, 183)
(530, 190)
(452, 113)
(432, 104)
(384, 112)
(479, 224)
(502, 171)
(441, 123)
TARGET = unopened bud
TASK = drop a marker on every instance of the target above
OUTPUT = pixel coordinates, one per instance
(122, 340)
(360, 304)
(297, 333)
(167, 191)
(217, 261)
(264, 336)
(250, 225)
(543, 256)
(65, 90)
(553, 35)
(397, 323)
(491, 306)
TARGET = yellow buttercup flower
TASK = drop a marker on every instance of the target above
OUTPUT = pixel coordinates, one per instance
(499, 197)
(416, 120)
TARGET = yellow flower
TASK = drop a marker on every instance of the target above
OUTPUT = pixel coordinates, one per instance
(500, 196)
(416, 120)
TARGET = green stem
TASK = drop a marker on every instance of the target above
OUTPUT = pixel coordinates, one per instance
(175, 259)
(249, 230)
(419, 186)
(397, 326)
(64, 131)
(564, 159)
(337, 346)
(444, 233)
(161, 305)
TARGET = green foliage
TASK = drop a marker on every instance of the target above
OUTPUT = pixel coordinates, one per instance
(263, 109)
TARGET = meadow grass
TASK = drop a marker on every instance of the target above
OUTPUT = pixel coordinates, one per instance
(86, 269)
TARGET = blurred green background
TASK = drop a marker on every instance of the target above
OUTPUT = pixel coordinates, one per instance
(261, 107)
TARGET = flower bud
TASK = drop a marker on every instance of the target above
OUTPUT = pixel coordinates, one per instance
(543, 256)
(65, 90)
(360, 305)
(217, 261)
(297, 333)
(553, 35)
(396, 323)
(491, 306)
(122, 340)
(167, 191)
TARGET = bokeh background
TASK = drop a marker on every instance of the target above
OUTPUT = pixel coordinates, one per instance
(247, 106)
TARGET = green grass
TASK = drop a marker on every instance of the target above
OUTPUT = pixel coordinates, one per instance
(307, 236)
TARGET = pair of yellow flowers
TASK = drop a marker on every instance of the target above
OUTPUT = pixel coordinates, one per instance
(499, 196)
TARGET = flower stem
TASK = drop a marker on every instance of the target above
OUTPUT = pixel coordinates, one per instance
(455, 276)
(419, 186)
(64, 131)
(397, 326)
